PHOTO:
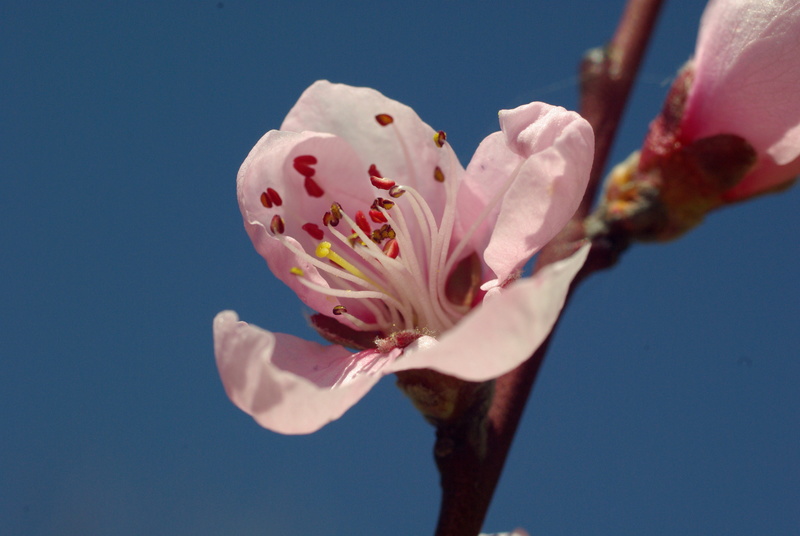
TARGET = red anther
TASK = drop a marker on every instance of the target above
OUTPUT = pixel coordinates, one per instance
(265, 200)
(308, 159)
(274, 197)
(440, 137)
(391, 248)
(339, 310)
(313, 230)
(363, 224)
(303, 165)
(380, 182)
(312, 188)
(373, 171)
(377, 216)
(384, 119)
(276, 225)
(396, 191)
(438, 175)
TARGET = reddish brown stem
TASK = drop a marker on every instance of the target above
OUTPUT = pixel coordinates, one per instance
(607, 76)
(469, 478)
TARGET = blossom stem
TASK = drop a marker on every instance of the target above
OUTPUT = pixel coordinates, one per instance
(469, 472)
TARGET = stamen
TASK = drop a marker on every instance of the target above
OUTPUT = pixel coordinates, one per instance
(381, 182)
(354, 239)
(352, 294)
(391, 248)
(373, 171)
(341, 310)
(313, 230)
(303, 165)
(395, 291)
(384, 119)
(377, 216)
(391, 277)
(383, 203)
(276, 225)
(379, 309)
(379, 235)
(409, 274)
(363, 224)
(328, 268)
(324, 251)
(312, 188)
(440, 264)
(330, 219)
(274, 197)
(360, 324)
(336, 210)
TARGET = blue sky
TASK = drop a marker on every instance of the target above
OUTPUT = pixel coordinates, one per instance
(667, 405)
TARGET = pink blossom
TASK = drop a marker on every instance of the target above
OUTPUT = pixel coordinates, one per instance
(366, 213)
(516, 532)
(746, 82)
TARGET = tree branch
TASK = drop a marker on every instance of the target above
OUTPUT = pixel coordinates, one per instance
(468, 477)
(607, 76)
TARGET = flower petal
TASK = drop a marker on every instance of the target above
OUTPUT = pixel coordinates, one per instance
(287, 384)
(270, 164)
(747, 73)
(404, 150)
(503, 332)
(540, 166)
(767, 174)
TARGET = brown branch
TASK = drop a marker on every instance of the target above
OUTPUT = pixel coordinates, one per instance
(469, 477)
(607, 76)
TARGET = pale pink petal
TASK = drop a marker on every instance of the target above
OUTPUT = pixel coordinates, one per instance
(503, 332)
(747, 75)
(403, 151)
(287, 384)
(765, 175)
(270, 164)
(540, 165)
(516, 532)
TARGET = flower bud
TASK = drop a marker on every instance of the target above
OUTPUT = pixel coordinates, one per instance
(729, 128)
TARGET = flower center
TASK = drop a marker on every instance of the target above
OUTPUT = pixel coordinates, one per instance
(395, 260)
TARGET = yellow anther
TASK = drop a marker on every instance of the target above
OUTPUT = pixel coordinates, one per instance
(324, 251)
(296, 271)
